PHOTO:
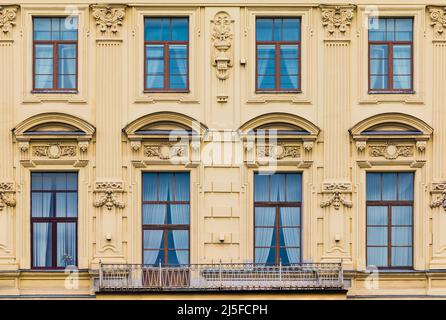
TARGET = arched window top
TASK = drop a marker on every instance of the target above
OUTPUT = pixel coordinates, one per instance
(53, 125)
(163, 124)
(391, 125)
(281, 124)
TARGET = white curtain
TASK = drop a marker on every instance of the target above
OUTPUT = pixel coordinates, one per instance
(264, 236)
(152, 240)
(182, 187)
(277, 186)
(261, 192)
(154, 213)
(42, 244)
(180, 215)
(290, 217)
(66, 244)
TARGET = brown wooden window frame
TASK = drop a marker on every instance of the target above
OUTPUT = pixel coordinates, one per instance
(55, 44)
(277, 226)
(165, 227)
(277, 45)
(390, 45)
(389, 204)
(166, 59)
(54, 221)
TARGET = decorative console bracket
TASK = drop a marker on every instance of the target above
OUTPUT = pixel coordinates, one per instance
(7, 195)
(439, 188)
(336, 189)
(109, 189)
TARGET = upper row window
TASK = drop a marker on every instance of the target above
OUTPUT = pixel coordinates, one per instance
(166, 54)
(55, 53)
(278, 54)
(391, 54)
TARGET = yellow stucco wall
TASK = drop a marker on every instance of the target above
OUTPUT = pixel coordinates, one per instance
(334, 107)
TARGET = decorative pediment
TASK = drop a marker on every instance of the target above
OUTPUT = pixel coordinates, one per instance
(165, 138)
(391, 138)
(278, 138)
(53, 138)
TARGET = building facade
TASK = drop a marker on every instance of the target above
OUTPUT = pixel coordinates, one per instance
(207, 149)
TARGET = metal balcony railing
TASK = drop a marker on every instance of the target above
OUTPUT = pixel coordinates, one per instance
(223, 276)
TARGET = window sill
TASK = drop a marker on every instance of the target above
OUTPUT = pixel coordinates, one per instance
(392, 92)
(278, 92)
(54, 91)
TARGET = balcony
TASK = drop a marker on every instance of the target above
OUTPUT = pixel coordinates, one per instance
(219, 277)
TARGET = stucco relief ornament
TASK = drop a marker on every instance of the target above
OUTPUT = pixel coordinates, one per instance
(109, 199)
(109, 18)
(7, 18)
(222, 42)
(336, 189)
(438, 18)
(391, 151)
(337, 18)
(278, 151)
(83, 146)
(54, 151)
(164, 152)
(441, 199)
(5, 199)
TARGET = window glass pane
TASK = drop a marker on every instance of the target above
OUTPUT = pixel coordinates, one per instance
(155, 82)
(377, 236)
(43, 81)
(178, 214)
(178, 67)
(266, 82)
(154, 51)
(401, 66)
(36, 181)
(290, 237)
(390, 32)
(291, 29)
(265, 255)
(290, 216)
(153, 213)
(180, 29)
(405, 186)
(289, 82)
(265, 216)
(266, 52)
(380, 51)
(389, 186)
(261, 187)
(377, 35)
(379, 67)
(264, 29)
(377, 24)
(71, 181)
(177, 51)
(71, 204)
(293, 187)
(153, 239)
(402, 51)
(178, 257)
(153, 29)
(44, 51)
(265, 237)
(277, 29)
(289, 67)
(401, 215)
(182, 186)
(401, 236)
(67, 66)
(67, 81)
(153, 257)
(69, 28)
(66, 244)
(155, 67)
(373, 186)
(61, 204)
(42, 204)
(44, 66)
(42, 245)
(42, 29)
(402, 82)
(377, 215)
(403, 29)
(266, 67)
(178, 239)
(277, 187)
(150, 186)
(177, 82)
(289, 255)
(67, 51)
(55, 26)
(377, 256)
(401, 257)
(378, 82)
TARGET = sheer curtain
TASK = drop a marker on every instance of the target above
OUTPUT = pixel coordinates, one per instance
(66, 244)
(42, 233)
(152, 240)
(290, 218)
(401, 235)
(264, 236)
(180, 215)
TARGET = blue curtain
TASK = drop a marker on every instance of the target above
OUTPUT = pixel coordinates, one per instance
(277, 187)
(261, 192)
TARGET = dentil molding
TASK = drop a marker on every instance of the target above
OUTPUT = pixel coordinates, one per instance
(335, 190)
